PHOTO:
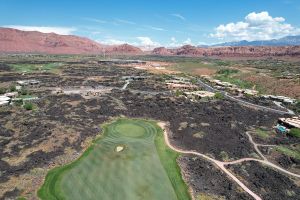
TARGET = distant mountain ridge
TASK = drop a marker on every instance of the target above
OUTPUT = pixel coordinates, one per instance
(17, 41)
(235, 51)
(285, 41)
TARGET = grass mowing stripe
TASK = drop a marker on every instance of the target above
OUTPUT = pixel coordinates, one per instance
(145, 169)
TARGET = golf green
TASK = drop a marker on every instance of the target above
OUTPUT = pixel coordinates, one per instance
(129, 162)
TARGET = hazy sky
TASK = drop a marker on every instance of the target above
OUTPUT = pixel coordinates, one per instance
(156, 22)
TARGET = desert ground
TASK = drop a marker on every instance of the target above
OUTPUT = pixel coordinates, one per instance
(65, 127)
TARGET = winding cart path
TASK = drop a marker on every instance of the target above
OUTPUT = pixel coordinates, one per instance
(222, 164)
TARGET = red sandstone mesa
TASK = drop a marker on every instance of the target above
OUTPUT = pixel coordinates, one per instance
(16, 41)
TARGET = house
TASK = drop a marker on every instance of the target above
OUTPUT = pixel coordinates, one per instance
(199, 94)
(4, 103)
(181, 86)
(182, 79)
(250, 92)
(25, 99)
(11, 94)
(133, 78)
(222, 84)
(4, 100)
(282, 99)
(177, 81)
(28, 82)
(293, 122)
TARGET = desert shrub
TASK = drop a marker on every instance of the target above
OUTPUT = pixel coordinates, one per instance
(28, 106)
(13, 88)
(295, 132)
(178, 93)
(23, 92)
(297, 106)
(2, 90)
(219, 95)
(222, 63)
(224, 155)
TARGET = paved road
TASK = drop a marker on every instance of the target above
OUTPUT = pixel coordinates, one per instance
(242, 102)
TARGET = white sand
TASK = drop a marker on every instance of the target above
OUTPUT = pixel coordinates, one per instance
(119, 148)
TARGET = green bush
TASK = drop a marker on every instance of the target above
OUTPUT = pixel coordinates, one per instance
(2, 90)
(219, 95)
(295, 132)
(13, 88)
(227, 72)
(28, 106)
(178, 93)
(24, 92)
(298, 105)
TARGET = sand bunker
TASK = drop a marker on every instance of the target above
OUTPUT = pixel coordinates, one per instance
(119, 148)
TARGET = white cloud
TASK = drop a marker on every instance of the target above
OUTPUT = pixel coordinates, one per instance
(147, 43)
(95, 20)
(155, 28)
(112, 42)
(125, 21)
(174, 43)
(178, 16)
(188, 41)
(44, 29)
(256, 26)
(143, 42)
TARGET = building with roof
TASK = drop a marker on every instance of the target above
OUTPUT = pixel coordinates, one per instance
(28, 82)
(4, 100)
(282, 99)
(250, 92)
(199, 94)
(293, 122)
(181, 86)
(133, 78)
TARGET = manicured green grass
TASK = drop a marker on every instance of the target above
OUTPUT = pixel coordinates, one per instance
(36, 67)
(145, 169)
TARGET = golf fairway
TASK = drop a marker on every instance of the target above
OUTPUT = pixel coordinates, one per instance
(129, 162)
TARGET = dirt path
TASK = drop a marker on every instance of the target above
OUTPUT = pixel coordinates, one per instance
(216, 162)
(222, 164)
(125, 85)
(265, 160)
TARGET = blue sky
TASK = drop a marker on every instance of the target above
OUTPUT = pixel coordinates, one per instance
(155, 23)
